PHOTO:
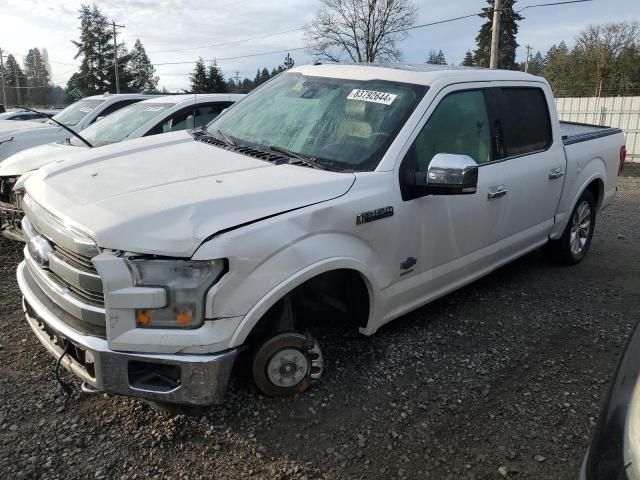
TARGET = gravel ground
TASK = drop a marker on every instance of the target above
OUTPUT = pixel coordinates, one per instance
(500, 379)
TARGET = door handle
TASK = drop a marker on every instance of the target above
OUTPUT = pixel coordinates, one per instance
(555, 173)
(496, 192)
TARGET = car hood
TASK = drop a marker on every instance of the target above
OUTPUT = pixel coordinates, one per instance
(32, 158)
(9, 127)
(166, 194)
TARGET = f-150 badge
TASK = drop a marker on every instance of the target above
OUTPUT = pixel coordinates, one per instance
(371, 215)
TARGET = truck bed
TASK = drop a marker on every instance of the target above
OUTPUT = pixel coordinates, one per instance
(573, 132)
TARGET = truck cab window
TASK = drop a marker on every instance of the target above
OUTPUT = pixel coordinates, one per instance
(458, 125)
(524, 121)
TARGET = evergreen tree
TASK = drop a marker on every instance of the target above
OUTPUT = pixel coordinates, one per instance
(38, 80)
(199, 78)
(95, 47)
(142, 72)
(215, 82)
(436, 58)
(557, 69)
(14, 78)
(536, 64)
(288, 62)
(468, 60)
(264, 75)
(507, 43)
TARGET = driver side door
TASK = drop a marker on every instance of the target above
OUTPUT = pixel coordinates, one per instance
(454, 235)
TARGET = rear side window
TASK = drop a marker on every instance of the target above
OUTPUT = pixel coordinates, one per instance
(524, 121)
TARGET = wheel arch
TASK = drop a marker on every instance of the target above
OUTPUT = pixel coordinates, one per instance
(592, 178)
(299, 279)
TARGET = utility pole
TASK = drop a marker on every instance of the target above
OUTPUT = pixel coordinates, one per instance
(526, 62)
(495, 34)
(237, 77)
(115, 55)
(4, 95)
(18, 87)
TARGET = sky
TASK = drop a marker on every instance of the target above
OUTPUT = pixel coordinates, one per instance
(186, 24)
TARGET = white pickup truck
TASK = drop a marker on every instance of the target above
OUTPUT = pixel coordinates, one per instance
(17, 136)
(353, 191)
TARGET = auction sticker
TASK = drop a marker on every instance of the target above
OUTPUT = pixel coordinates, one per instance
(372, 96)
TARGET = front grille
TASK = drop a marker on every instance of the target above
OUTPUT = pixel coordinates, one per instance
(6, 186)
(73, 258)
(68, 279)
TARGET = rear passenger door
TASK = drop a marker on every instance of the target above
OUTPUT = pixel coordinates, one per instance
(534, 166)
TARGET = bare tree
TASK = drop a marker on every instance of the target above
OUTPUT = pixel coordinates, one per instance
(360, 30)
(600, 49)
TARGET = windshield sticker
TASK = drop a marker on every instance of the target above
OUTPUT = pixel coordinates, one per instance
(372, 96)
(85, 109)
(153, 109)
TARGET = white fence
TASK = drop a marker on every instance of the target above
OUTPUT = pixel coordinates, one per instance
(621, 112)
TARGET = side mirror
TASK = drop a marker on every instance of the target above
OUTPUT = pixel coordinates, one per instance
(448, 174)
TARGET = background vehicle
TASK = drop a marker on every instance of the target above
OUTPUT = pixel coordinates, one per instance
(16, 136)
(24, 115)
(353, 188)
(149, 117)
(614, 451)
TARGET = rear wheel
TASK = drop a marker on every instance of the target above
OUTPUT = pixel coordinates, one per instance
(286, 364)
(574, 243)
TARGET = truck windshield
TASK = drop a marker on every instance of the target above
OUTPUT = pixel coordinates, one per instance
(74, 113)
(340, 123)
(120, 124)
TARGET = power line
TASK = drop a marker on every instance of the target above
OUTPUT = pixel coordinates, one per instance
(229, 43)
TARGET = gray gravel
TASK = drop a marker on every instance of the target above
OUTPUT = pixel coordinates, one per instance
(501, 379)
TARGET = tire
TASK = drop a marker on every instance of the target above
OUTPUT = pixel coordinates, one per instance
(287, 364)
(574, 243)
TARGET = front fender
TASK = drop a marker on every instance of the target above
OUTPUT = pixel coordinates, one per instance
(298, 278)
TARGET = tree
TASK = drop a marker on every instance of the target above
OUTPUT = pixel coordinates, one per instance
(359, 30)
(436, 58)
(142, 72)
(14, 78)
(288, 62)
(468, 60)
(536, 64)
(199, 78)
(507, 43)
(95, 47)
(35, 68)
(557, 69)
(215, 82)
(601, 50)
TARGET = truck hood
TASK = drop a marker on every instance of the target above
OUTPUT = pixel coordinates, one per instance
(32, 158)
(166, 194)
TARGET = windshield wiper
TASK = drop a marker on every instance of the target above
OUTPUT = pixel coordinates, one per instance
(311, 162)
(50, 117)
(225, 137)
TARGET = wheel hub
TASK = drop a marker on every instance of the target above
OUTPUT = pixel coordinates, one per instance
(287, 367)
(580, 226)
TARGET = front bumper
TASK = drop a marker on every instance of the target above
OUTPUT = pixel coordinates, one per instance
(176, 378)
(10, 218)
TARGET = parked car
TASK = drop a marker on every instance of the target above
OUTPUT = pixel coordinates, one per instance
(614, 452)
(25, 115)
(149, 117)
(16, 136)
(359, 189)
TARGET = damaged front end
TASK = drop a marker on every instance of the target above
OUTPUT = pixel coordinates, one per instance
(11, 208)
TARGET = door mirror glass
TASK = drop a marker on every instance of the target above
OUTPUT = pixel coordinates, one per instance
(447, 174)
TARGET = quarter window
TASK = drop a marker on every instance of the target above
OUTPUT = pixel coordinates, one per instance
(524, 121)
(458, 125)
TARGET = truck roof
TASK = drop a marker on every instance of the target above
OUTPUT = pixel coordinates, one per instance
(420, 73)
